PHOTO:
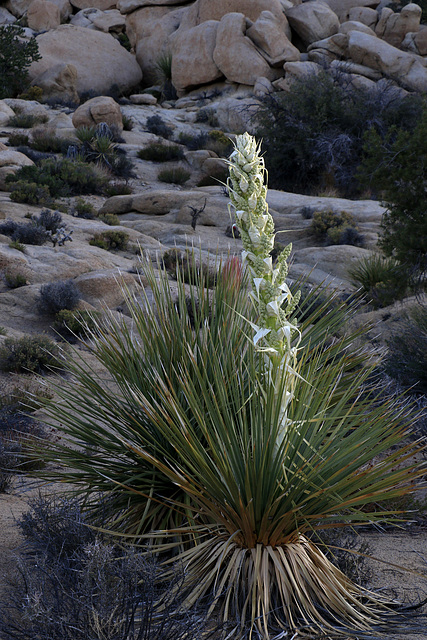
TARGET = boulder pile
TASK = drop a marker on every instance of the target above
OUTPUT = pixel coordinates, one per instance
(260, 44)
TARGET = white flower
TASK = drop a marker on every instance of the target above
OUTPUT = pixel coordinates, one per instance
(244, 185)
(252, 201)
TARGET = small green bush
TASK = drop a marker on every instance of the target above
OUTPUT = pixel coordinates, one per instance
(32, 93)
(50, 220)
(62, 177)
(49, 143)
(382, 280)
(128, 123)
(158, 152)
(17, 245)
(14, 279)
(33, 354)
(31, 193)
(117, 188)
(26, 120)
(32, 233)
(18, 139)
(156, 125)
(184, 263)
(16, 55)
(174, 175)
(110, 218)
(56, 296)
(336, 228)
(407, 355)
(83, 209)
(110, 240)
(75, 323)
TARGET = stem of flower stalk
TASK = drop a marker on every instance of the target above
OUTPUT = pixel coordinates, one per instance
(274, 331)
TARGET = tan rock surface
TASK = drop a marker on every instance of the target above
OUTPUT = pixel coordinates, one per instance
(98, 4)
(59, 83)
(96, 110)
(98, 57)
(272, 40)
(393, 27)
(343, 7)
(43, 15)
(313, 21)
(189, 70)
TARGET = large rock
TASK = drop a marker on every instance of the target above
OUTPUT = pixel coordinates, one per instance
(96, 110)
(328, 49)
(127, 6)
(17, 7)
(100, 60)
(313, 21)
(43, 15)
(110, 21)
(393, 27)
(353, 25)
(65, 9)
(97, 4)
(236, 55)
(236, 115)
(6, 113)
(59, 83)
(365, 15)
(407, 69)
(272, 40)
(6, 17)
(203, 10)
(189, 70)
(343, 7)
(416, 42)
(10, 162)
(149, 30)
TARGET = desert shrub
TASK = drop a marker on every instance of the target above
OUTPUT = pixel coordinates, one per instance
(19, 434)
(193, 141)
(56, 296)
(174, 175)
(106, 591)
(407, 351)
(307, 212)
(313, 134)
(50, 220)
(75, 323)
(99, 145)
(33, 354)
(117, 188)
(395, 167)
(63, 177)
(16, 55)
(26, 120)
(31, 233)
(382, 280)
(14, 279)
(335, 228)
(184, 265)
(128, 123)
(156, 125)
(85, 134)
(207, 115)
(110, 240)
(31, 193)
(164, 74)
(14, 244)
(82, 209)
(49, 143)
(18, 139)
(110, 218)
(218, 142)
(32, 93)
(158, 152)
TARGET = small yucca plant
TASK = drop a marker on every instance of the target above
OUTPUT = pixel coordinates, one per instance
(230, 452)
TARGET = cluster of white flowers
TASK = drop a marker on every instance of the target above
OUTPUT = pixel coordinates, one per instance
(275, 332)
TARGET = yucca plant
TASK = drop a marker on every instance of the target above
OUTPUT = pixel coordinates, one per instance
(229, 452)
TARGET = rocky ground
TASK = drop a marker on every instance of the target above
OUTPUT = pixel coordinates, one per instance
(157, 217)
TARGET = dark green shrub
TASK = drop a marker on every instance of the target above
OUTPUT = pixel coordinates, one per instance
(110, 218)
(193, 141)
(396, 167)
(407, 356)
(156, 125)
(336, 228)
(31, 193)
(158, 152)
(164, 73)
(14, 279)
(183, 264)
(26, 120)
(82, 209)
(117, 188)
(110, 240)
(381, 280)
(18, 139)
(313, 134)
(31, 233)
(76, 583)
(50, 220)
(16, 55)
(49, 143)
(56, 296)
(63, 177)
(32, 93)
(174, 175)
(33, 354)
(75, 323)
(207, 115)
(17, 245)
(128, 123)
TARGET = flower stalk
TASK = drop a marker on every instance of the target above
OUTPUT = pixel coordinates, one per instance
(275, 330)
